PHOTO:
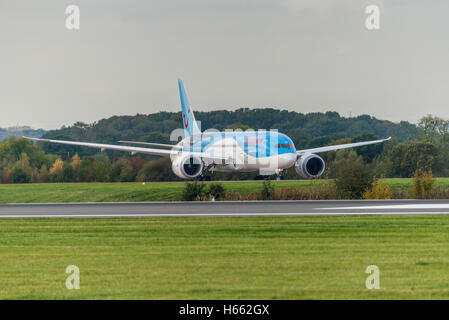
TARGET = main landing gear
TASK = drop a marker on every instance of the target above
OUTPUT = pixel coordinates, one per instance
(206, 175)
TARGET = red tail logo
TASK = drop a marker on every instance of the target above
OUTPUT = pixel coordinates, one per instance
(186, 124)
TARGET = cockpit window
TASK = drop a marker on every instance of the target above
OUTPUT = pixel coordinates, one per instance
(284, 146)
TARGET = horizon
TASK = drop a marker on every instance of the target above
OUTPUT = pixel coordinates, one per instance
(21, 126)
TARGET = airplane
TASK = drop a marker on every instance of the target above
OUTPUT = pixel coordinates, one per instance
(269, 152)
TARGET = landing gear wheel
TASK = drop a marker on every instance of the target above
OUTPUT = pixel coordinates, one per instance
(280, 174)
(205, 176)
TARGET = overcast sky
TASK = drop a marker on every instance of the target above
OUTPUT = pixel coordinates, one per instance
(302, 55)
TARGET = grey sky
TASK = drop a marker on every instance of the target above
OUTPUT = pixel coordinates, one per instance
(310, 55)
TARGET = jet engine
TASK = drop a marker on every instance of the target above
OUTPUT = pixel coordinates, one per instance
(310, 166)
(188, 167)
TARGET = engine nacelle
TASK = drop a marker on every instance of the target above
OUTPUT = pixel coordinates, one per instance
(310, 166)
(188, 167)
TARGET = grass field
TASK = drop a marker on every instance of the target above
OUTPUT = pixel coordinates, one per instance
(217, 258)
(154, 191)
(226, 258)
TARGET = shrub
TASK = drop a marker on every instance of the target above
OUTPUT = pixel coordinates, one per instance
(379, 190)
(353, 177)
(267, 190)
(216, 191)
(440, 193)
(233, 196)
(327, 192)
(193, 191)
(422, 187)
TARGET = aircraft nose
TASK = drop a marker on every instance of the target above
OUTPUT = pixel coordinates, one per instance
(293, 157)
(287, 160)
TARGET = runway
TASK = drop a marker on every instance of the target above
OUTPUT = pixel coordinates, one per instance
(224, 209)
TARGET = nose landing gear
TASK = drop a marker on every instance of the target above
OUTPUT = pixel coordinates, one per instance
(280, 174)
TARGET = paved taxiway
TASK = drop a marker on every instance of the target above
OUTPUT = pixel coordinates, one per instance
(224, 209)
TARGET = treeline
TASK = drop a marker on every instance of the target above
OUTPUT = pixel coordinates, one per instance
(5, 133)
(306, 130)
(23, 161)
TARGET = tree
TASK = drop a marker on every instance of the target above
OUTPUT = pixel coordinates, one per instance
(136, 163)
(85, 173)
(128, 174)
(20, 176)
(43, 174)
(434, 129)
(75, 161)
(116, 168)
(7, 173)
(100, 171)
(24, 164)
(67, 173)
(353, 176)
(157, 170)
(405, 158)
(369, 153)
(56, 170)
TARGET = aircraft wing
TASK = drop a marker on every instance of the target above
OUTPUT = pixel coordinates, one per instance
(159, 152)
(340, 146)
(133, 150)
(162, 145)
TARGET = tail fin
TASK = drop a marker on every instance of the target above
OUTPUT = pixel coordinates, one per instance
(188, 119)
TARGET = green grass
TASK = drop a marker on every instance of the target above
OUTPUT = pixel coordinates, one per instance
(153, 191)
(107, 192)
(404, 184)
(226, 258)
